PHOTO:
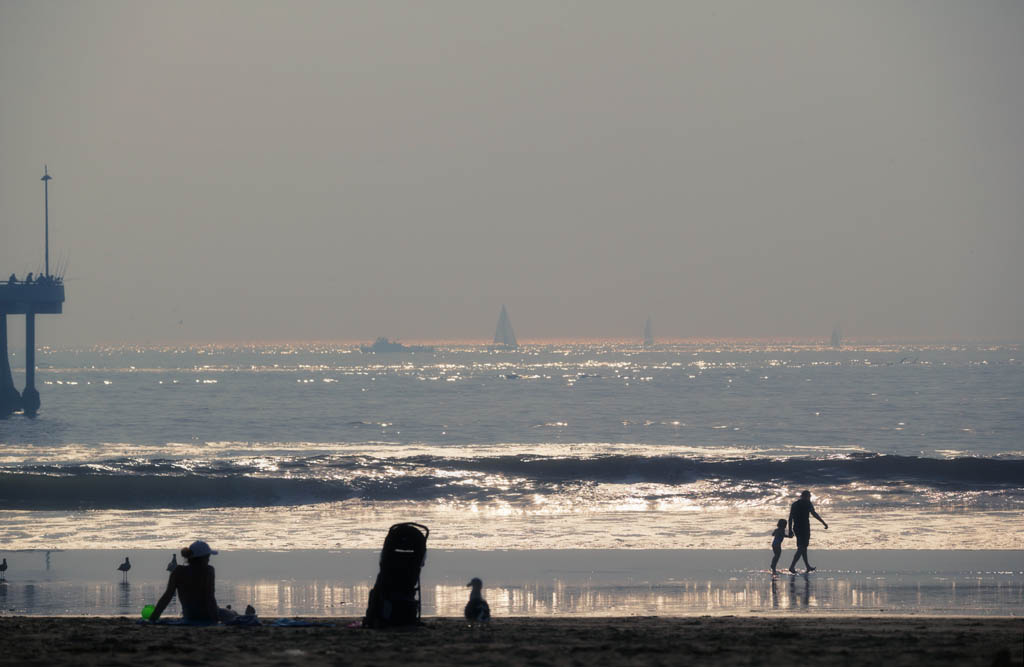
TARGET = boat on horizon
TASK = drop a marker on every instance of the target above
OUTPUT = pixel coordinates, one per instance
(384, 346)
(504, 337)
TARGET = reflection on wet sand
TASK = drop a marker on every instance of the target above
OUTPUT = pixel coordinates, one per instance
(793, 593)
(538, 583)
(737, 595)
(797, 599)
(284, 598)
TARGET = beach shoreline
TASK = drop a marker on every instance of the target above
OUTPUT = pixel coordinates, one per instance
(537, 583)
(699, 640)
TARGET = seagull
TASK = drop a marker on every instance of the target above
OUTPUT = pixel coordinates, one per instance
(3, 570)
(477, 609)
(124, 567)
(173, 565)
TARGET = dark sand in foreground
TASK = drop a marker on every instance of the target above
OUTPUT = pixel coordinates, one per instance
(730, 640)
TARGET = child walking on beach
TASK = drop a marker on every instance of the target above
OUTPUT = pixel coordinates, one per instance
(779, 533)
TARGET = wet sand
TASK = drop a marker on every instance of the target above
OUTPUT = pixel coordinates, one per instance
(554, 584)
(724, 640)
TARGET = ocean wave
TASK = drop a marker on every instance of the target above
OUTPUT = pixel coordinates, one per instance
(105, 491)
(968, 472)
(134, 483)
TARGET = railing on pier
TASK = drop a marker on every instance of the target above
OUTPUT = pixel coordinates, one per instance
(42, 297)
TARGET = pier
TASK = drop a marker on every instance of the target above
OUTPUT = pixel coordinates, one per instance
(43, 295)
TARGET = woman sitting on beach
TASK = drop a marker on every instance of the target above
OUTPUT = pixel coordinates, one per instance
(194, 585)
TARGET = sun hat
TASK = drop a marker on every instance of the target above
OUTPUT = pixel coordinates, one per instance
(198, 549)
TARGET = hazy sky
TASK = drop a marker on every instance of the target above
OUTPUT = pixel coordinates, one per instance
(243, 171)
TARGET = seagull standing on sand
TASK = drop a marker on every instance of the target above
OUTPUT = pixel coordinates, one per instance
(173, 565)
(477, 609)
(3, 570)
(124, 567)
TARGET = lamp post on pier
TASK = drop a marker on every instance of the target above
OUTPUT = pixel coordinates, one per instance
(46, 204)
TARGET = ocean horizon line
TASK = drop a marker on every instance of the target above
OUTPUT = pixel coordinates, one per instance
(808, 342)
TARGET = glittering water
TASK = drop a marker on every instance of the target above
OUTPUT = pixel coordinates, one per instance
(562, 446)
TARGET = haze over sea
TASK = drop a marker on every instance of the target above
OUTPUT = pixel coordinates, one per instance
(564, 446)
(322, 171)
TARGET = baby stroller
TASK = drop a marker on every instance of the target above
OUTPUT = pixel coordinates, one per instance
(395, 597)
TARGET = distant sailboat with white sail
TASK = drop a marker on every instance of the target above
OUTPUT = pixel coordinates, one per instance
(648, 334)
(504, 337)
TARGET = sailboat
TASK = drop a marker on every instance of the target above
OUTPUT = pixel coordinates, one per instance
(648, 334)
(504, 337)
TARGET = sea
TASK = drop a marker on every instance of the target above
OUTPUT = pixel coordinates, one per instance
(604, 450)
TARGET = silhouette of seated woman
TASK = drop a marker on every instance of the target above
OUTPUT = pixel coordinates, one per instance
(194, 584)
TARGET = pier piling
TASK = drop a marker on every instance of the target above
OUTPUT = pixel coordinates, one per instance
(30, 397)
(10, 399)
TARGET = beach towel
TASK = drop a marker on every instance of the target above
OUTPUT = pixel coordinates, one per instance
(244, 621)
(299, 623)
(176, 621)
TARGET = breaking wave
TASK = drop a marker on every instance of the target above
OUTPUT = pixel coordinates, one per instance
(133, 483)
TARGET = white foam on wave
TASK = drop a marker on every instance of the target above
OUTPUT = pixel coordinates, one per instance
(83, 453)
(360, 524)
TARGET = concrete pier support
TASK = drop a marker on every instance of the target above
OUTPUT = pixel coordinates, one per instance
(44, 296)
(10, 399)
(30, 397)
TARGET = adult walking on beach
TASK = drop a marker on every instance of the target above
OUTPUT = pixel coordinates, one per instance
(800, 514)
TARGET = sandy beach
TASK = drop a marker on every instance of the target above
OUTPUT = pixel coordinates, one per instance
(808, 640)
